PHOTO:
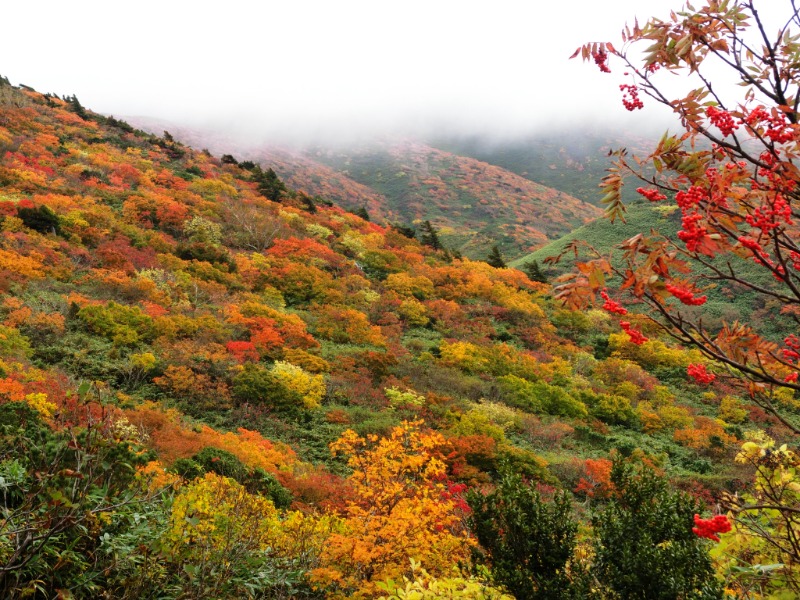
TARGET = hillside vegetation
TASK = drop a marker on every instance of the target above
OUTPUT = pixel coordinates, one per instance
(475, 204)
(213, 386)
(570, 160)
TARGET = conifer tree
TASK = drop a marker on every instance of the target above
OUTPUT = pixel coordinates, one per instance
(496, 259)
(361, 211)
(534, 272)
(429, 236)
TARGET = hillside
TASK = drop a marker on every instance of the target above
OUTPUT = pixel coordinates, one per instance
(215, 386)
(572, 161)
(474, 204)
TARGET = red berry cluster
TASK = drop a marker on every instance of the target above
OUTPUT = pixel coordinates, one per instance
(760, 257)
(709, 528)
(722, 119)
(795, 258)
(792, 351)
(685, 295)
(699, 374)
(630, 97)
(651, 194)
(778, 130)
(750, 244)
(756, 115)
(766, 217)
(634, 334)
(692, 233)
(653, 67)
(601, 60)
(611, 306)
(687, 199)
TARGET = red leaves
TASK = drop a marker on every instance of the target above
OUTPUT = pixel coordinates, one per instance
(243, 351)
(696, 236)
(709, 528)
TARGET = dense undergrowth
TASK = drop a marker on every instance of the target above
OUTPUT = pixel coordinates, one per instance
(211, 386)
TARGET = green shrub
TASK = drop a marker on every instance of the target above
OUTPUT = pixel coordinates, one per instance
(645, 548)
(529, 541)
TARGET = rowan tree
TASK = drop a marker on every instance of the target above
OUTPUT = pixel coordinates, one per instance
(731, 173)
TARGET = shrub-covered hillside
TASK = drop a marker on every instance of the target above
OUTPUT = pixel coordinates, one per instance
(212, 386)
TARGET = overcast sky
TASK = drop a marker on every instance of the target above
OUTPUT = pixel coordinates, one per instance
(335, 66)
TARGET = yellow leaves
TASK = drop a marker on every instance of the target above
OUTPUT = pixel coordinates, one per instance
(214, 514)
(144, 361)
(307, 361)
(730, 410)
(463, 355)
(398, 398)
(400, 510)
(31, 267)
(211, 189)
(39, 402)
(347, 325)
(413, 312)
(419, 287)
(311, 388)
(750, 451)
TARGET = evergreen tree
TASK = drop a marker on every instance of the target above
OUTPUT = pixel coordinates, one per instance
(495, 258)
(529, 541)
(40, 218)
(308, 203)
(77, 107)
(429, 236)
(645, 547)
(269, 184)
(534, 272)
(404, 230)
(362, 212)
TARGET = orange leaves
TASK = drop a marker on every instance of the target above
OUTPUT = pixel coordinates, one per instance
(577, 291)
(401, 509)
(596, 481)
(707, 435)
(172, 439)
(346, 325)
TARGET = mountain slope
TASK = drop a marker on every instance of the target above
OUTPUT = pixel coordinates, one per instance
(573, 161)
(473, 203)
